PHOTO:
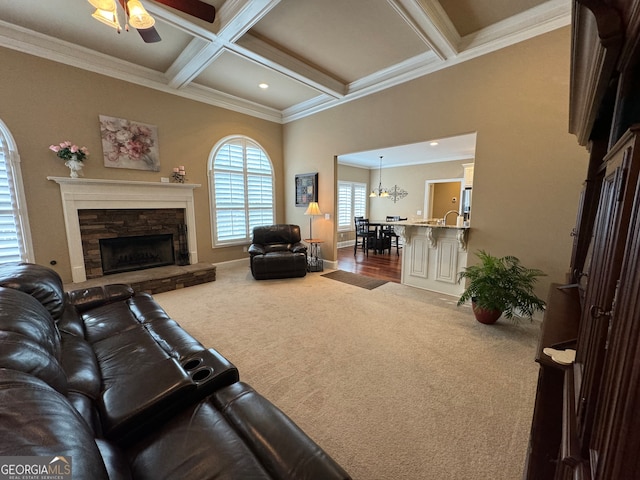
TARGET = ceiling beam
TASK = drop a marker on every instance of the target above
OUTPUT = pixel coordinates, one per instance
(430, 23)
(238, 16)
(198, 55)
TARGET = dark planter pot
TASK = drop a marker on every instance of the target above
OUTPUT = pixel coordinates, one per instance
(488, 317)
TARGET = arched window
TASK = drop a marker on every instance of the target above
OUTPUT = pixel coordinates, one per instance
(15, 237)
(241, 184)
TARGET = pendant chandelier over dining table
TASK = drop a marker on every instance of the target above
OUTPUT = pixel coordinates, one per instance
(379, 192)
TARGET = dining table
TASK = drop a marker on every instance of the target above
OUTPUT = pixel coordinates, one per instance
(378, 228)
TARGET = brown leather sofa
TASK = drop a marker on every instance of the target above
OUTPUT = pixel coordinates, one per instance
(276, 251)
(104, 378)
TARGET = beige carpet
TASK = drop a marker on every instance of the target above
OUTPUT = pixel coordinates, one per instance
(394, 383)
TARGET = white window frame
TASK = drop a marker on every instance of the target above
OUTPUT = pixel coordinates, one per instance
(11, 158)
(212, 193)
(353, 185)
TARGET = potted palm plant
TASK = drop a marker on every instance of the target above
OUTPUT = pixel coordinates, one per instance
(500, 286)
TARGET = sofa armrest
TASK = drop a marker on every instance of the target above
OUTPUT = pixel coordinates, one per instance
(86, 298)
(299, 248)
(285, 451)
(255, 249)
(136, 403)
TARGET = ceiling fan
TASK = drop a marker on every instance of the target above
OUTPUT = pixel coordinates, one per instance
(138, 18)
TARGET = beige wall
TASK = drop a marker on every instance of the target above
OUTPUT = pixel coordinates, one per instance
(42, 102)
(528, 169)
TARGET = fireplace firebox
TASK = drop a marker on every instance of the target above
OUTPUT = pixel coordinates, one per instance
(125, 254)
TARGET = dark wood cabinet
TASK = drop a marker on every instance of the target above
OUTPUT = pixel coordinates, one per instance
(586, 421)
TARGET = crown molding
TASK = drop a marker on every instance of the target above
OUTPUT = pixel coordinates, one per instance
(536, 21)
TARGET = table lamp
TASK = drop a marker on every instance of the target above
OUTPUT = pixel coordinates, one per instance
(313, 209)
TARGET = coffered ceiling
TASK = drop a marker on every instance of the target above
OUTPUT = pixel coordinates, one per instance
(313, 54)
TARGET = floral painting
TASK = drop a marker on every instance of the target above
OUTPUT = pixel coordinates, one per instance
(129, 144)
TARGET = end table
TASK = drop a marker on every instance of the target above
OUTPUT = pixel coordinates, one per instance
(314, 261)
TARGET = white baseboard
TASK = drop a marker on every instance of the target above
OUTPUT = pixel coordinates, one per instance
(345, 243)
(231, 262)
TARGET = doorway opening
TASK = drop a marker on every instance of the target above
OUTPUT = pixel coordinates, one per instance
(442, 196)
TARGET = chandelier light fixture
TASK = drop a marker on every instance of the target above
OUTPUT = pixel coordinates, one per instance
(380, 192)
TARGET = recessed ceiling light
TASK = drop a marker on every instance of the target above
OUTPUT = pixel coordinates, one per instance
(433, 144)
(263, 86)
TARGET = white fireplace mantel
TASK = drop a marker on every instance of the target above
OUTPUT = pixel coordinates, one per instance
(89, 193)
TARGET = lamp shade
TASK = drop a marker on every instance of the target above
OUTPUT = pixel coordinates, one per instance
(313, 209)
(138, 16)
(106, 5)
(107, 17)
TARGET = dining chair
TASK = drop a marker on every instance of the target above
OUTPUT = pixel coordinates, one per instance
(388, 233)
(363, 232)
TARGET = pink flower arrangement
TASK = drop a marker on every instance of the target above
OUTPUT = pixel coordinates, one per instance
(67, 151)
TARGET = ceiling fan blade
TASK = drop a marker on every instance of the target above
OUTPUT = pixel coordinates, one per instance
(149, 35)
(195, 8)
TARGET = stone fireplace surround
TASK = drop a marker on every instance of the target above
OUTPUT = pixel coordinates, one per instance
(87, 194)
(101, 224)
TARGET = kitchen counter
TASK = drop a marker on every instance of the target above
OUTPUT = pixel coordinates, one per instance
(425, 223)
(433, 255)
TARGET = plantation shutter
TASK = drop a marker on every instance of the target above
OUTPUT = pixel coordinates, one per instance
(359, 199)
(352, 202)
(344, 205)
(11, 249)
(259, 188)
(243, 191)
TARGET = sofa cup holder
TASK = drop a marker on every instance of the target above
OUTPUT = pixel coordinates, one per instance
(201, 374)
(198, 368)
(192, 363)
(209, 371)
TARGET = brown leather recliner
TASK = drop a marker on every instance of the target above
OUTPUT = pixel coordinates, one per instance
(277, 252)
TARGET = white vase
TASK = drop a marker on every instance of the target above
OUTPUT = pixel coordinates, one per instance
(75, 166)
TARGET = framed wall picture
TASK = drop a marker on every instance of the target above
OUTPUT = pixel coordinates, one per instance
(306, 189)
(129, 144)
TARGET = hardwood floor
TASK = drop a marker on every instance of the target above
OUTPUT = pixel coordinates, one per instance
(383, 266)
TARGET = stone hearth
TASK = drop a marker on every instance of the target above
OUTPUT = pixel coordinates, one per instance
(155, 280)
